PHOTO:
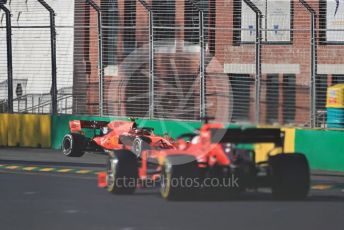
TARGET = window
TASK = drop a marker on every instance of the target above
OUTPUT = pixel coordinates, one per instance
(276, 22)
(129, 40)
(164, 19)
(237, 21)
(241, 88)
(272, 98)
(109, 10)
(289, 98)
(191, 20)
(331, 18)
(337, 79)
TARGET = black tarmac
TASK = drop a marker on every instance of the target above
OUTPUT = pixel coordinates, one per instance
(48, 200)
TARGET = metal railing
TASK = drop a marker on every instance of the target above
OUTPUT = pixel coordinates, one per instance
(39, 104)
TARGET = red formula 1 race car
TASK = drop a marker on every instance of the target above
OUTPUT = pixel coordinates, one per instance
(211, 156)
(109, 137)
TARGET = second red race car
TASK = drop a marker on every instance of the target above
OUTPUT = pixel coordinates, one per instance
(109, 137)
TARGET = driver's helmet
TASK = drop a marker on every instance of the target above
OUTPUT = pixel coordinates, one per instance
(195, 139)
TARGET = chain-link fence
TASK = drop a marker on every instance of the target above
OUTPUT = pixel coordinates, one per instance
(286, 69)
(239, 61)
(176, 60)
(127, 58)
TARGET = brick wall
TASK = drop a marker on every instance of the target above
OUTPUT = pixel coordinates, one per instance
(297, 54)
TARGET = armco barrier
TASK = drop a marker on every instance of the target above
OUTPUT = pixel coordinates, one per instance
(323, 148)
(25, 130)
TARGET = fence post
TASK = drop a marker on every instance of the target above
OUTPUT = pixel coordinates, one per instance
(9, 58)
(151, 57)
(100, 55)
(202, 104)
(313, 62)
(258, 63)
(53, 90)
(151, 65)
(202, 63)
(258, 56)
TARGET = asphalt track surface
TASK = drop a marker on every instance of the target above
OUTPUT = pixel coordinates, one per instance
(49, 199)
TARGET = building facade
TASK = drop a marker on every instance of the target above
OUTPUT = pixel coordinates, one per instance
(225, 31)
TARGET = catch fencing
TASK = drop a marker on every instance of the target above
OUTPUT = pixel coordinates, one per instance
(240, 61)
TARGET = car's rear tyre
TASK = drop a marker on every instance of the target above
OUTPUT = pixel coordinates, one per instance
(73, 145)
(122, 172)
(290, 176)
(179, 177)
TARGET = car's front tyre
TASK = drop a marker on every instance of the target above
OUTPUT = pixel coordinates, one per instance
(122, 172)
(176, 169)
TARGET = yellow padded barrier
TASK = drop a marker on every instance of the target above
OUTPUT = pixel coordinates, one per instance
(289, 146)
(28, 130)
(29, 133)
(14, 129)
(3, 129)
(45, 131)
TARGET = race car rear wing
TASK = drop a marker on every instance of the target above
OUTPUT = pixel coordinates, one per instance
(78, 125)
(248, 136)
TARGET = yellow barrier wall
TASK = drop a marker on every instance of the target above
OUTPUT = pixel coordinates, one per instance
(45, 131)
(25, 130)
(289, 146)
(13, 131)
(3, 129)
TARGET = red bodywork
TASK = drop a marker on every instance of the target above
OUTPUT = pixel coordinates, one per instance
(116, 129)
(207, 154)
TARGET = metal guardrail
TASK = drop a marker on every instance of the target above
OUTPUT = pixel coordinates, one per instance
(35, 103)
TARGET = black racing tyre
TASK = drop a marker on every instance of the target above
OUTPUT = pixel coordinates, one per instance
(179, 177)
(290, 176)
(122, 172)
(140, 144)
(73, 145)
